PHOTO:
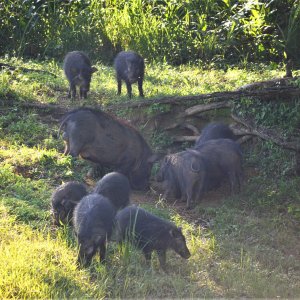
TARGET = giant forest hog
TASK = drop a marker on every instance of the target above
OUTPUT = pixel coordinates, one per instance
(214, 131)
(114, 186)
(78, 70)
(129, 67)
(93, 223)
(188, 174)
(109, 142)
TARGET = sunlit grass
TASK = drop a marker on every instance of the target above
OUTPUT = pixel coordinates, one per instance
(160, 80)
(35, 265)
(249, 249)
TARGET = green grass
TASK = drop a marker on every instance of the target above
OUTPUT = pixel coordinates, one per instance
(250, 247)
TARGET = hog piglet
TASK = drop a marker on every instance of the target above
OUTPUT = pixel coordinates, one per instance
(214, 131)
(64, 199)
(93, 223)
(150, 233)
(129, 67)
(114, 186)
(78, 70)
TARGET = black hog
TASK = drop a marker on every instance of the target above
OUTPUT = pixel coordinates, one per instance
(188, 174)
(150, 233)
(109, 142)
(93, 223)
(215, 131)
(64, 200)
(129, 67)
(184, 176)
(114, 186)
(78, 70)
(224, 158)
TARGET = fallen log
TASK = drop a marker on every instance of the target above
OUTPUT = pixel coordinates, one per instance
(185, 138)
(205, 107)
(284, 92)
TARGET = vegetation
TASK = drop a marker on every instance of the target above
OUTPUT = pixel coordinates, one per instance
(174, 31)
(245, 245)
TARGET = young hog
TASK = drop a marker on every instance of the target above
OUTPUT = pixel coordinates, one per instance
(184, 175)
(64, 200)
(129, 67)
(93, 222)
(115, 187)
(150, 233)
(78, 70)
(214, 131)
(109, 142)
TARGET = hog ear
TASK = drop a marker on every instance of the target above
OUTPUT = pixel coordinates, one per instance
(174, 232)
(94, 69)
(195, 167)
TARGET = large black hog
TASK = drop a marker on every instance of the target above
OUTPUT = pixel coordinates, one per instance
(150, 233)
(114, 186)
(129, 67)
(214, 131)
(93, 223)
(78, 70)
(64, 200)
(105, 140)
(191, 173)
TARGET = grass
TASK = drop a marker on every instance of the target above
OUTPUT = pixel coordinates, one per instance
(249, 246)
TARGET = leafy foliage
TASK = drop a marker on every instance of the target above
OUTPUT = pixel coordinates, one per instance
(170, 30)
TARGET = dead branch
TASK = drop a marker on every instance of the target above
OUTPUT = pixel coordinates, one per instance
(273, 83)
(191, 127)
(205, 107)
(244, 139)
(185, 138)
(265, 134)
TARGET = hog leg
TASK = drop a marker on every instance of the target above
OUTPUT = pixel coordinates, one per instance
(140, 86)
(102, 251)
(147, 254)
(119, 85)
(129, 89)
(234, 182)
(162, 259)
(72, 91)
